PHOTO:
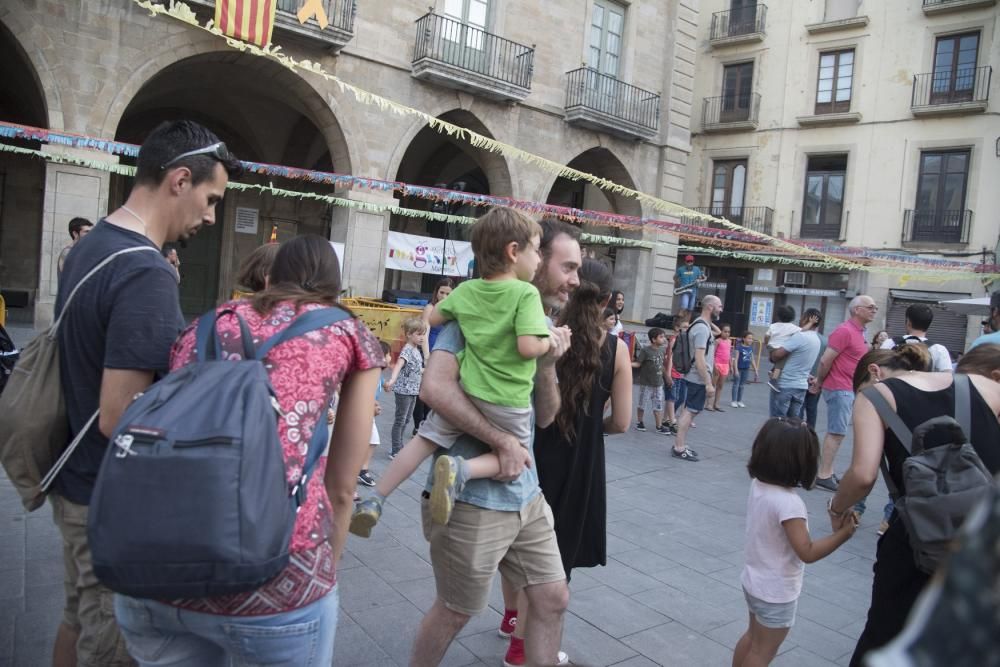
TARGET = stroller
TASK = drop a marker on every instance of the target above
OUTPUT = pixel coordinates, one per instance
(8, 357)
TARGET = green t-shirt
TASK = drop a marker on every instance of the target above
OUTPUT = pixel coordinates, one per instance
(491, 315)
(650, 359)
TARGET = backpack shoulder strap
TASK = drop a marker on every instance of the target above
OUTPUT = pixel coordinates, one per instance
(903, 433)
(207, 341)
(963, 403)
(104, 262)
(898, 340)
(304, 323)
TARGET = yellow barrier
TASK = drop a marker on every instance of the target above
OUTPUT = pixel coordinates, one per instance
(385, 320)
(3, 312)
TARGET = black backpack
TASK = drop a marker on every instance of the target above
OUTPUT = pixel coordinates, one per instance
(943, 475)
(899, 341)
(683, 353)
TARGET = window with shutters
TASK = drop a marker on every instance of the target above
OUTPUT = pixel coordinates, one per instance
(835, 81)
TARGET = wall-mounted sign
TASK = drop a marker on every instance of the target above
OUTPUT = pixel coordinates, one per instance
(761, 310)
(408, 252)
(246, 220)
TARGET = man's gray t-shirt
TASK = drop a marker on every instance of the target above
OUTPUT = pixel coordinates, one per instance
(486, 493)
(803, 350)
(699, 335)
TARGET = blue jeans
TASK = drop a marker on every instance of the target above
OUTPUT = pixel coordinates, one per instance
(787, 402)
(811, 409)
(739, 380)
(159, 635)
(679, 393)
(688, 301)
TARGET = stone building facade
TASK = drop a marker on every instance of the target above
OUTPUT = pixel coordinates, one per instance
(852, 122)
(508, 69)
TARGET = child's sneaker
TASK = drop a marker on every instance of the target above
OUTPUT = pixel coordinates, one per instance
(366, 515)
(734, 404)
(639, 426)
(663, 429)
(366, 478)
(673, 427)
(508, 623)
(449, 480)
(741, 404)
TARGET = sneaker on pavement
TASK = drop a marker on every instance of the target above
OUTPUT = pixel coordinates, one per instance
(882, 527)
(664, 430)
(366, 478)
(734, 404)
(741, 404)
(511, 660)
(686, 455)
(366, 515)
(639, 426)
(830, 483)
(673, 427)
(507, 626)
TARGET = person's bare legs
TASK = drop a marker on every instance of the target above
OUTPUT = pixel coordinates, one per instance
(658, 418)
(484, 466)
(64, 649)
(831, 444)
(405, 464)
(436, 632)
(670, 411)
(683, 424)
(523, 607)
(543, 633)
(720, 382)
(639, 414)
(763, 644)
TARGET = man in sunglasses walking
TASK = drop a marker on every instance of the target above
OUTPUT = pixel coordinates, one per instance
(114, 338)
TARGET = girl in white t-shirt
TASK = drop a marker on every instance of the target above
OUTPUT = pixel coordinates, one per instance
(785, 455)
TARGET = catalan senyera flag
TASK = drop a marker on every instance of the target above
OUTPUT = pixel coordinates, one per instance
(247, 20)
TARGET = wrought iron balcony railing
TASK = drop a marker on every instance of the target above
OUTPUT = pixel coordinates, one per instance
(729, 111)
(755, 218)
(339, 31)
(340, 13)
(964, 84)
(739, 22)
(603, 99)
(936, 226)
(469, 49)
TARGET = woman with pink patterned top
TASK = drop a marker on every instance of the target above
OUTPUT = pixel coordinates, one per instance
(291, 619)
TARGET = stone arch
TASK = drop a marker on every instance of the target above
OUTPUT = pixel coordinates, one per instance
(599, 161)
(32, 76)
(294, 91)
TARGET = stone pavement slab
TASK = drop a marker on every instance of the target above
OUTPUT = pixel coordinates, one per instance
(670, 594)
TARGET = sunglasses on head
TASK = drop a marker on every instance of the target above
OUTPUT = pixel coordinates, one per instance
(217, 150)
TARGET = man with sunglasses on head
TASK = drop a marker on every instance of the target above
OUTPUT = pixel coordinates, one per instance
(114, 339)
(835, 378)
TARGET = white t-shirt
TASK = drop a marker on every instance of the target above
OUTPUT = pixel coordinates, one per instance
(940, 359)
(772, 571)
(780, 332)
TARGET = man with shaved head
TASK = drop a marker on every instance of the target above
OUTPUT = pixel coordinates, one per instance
(846, 346)
(699, 379)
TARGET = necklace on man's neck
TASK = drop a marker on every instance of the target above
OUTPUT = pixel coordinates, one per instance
(136, 216)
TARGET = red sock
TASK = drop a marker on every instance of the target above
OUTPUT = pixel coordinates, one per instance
(515, 652)
(509, 614)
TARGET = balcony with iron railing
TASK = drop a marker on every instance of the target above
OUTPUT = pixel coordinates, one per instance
(338, 32)
(755, 218)
(932, 7)
(964, 90)
(601, 102)
(730, 113)
(738, 26)
(461, 56)
(936, 227)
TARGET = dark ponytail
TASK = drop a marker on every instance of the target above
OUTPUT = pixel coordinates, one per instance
(579, 367)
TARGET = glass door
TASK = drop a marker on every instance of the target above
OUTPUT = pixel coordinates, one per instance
(464, 35)
(729, 180)
(954, 78)
(737, 90)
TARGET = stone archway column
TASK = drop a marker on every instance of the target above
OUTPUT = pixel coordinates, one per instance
(646, 276)
(70, 191)
(364, 235)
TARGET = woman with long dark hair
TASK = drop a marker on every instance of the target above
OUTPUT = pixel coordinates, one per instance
(293, 615)
(617, 304)
(569, 454)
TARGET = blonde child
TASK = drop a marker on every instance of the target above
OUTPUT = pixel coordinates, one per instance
(405, 380)
(504, 326)
(785, 455)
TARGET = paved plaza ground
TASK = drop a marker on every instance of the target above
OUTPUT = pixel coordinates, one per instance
(670, 594)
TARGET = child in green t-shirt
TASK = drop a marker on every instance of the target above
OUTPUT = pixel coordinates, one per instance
(505, 330)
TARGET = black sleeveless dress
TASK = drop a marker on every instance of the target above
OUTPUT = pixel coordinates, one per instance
(571, 474)
(898, 582)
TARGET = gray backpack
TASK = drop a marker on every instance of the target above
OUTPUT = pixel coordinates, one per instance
(192, 499)
(34, 429)
(943, 480)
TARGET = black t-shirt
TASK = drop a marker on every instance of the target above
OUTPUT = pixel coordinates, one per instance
(125, 317)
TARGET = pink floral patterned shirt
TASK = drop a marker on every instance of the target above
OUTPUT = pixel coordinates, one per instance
(305, 372)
